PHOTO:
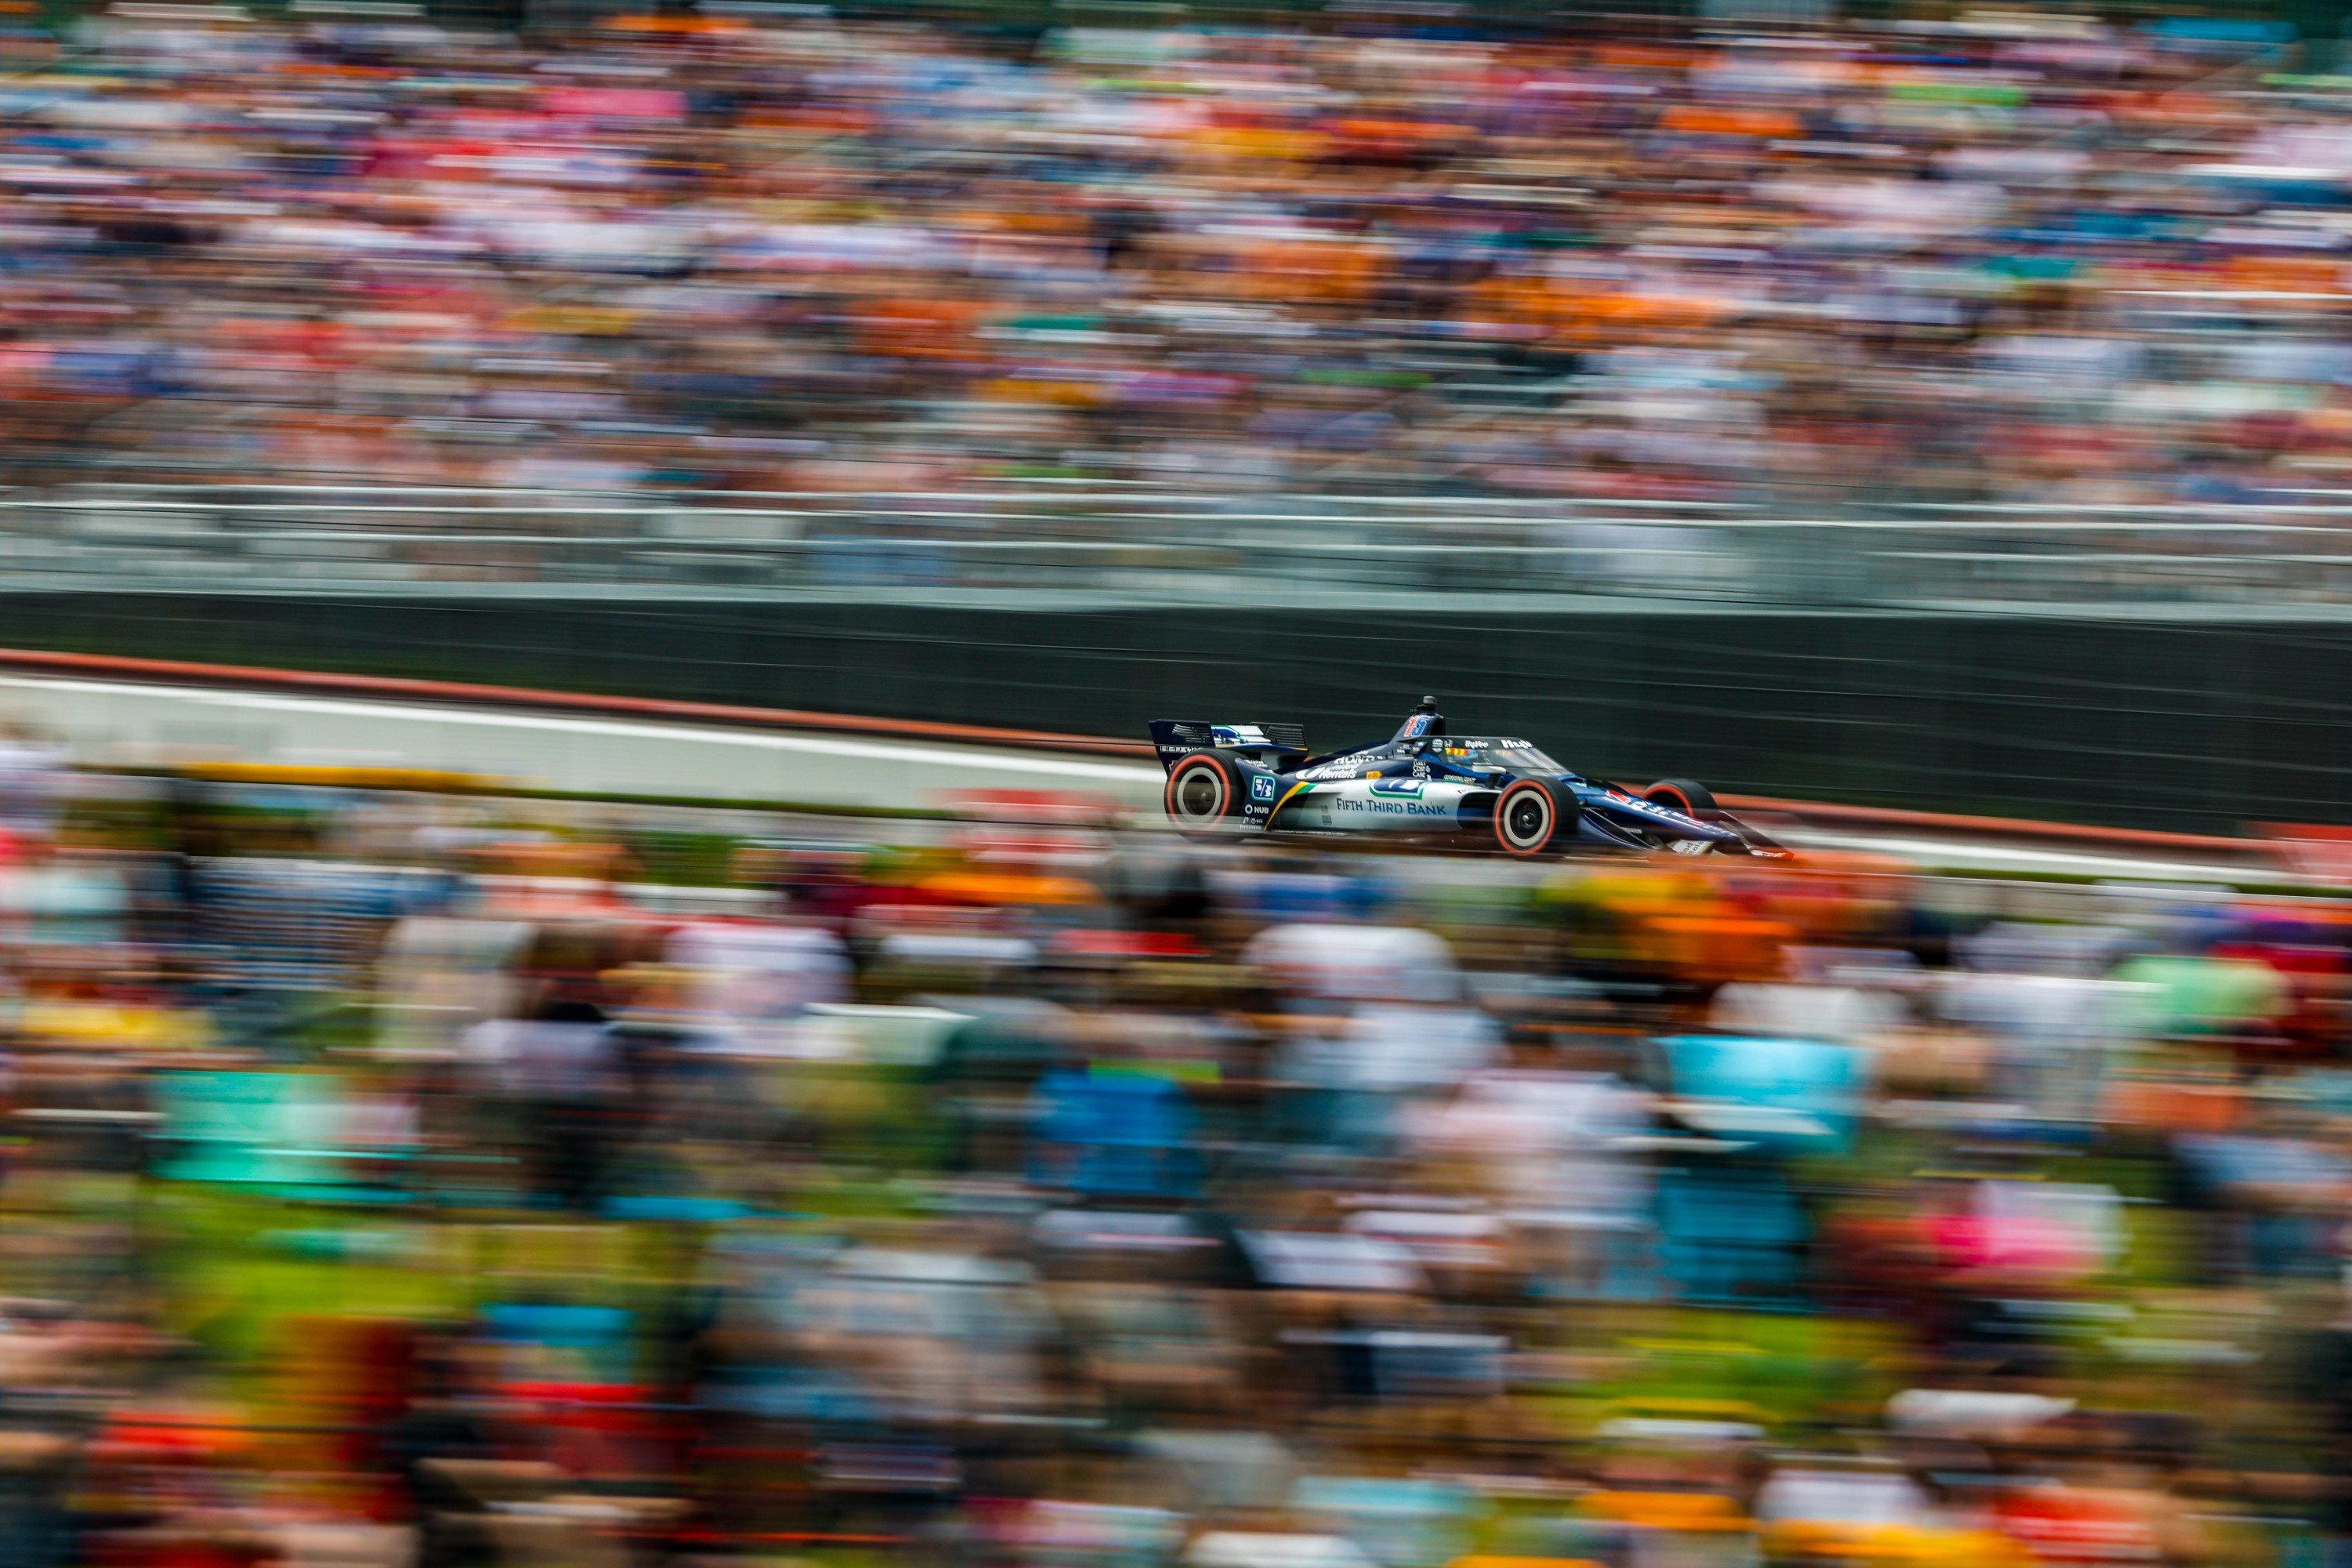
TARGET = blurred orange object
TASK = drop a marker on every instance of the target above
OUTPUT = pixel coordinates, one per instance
(1698, 120)
(2175, 1107)
(1669, 1510)
(995, 888)
(689, 25)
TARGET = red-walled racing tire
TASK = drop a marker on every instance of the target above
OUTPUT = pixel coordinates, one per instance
(1692, 800)
(1203, 795)
(1683, 795)
(1535, 817)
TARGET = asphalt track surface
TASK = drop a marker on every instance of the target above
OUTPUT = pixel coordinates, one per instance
(140, 711)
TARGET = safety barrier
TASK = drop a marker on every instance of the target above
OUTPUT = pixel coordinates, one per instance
(407, 709)
(1121, 544)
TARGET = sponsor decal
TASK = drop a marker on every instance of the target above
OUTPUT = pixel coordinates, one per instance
(1378, 805)
(1333, 771)
(1262, 786)
(1392, 801)
(1651, 807)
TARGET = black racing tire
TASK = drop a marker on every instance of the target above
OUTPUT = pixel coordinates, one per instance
(1203, 794)
(1684, 796)
(1535, 817)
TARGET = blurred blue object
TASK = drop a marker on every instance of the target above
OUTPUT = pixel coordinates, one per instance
(1285, 896)
(1113, 1134)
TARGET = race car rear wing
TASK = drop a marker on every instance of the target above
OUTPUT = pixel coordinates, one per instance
(1175, 738)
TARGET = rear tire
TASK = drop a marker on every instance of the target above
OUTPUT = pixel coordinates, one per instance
(1205, 794)
(1535, 817)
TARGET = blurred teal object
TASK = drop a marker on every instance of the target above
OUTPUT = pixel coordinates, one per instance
(2329, 1088)
(678, 1210)
(1731, 1233)
(599, 1342)
(2220, 30)
(244, 1127)
(1399, 1523)
(1785, 1094)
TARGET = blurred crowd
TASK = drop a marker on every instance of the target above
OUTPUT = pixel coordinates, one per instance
(2005, 257)
(400, 1174)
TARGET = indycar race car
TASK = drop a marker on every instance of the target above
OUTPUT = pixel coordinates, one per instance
(1494, 790)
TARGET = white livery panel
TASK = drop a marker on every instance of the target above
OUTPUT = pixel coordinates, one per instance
(1408, 805)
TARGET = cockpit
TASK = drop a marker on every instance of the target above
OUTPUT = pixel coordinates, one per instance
(1480, 752)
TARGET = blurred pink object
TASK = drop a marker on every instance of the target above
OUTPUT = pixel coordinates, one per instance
(616, 103)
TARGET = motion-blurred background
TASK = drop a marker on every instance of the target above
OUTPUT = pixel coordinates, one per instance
(581, 1129)
(1921, 403)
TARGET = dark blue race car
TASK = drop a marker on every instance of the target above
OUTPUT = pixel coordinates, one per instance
(1494, 790)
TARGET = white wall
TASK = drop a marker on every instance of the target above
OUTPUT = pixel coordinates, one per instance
(126, 721)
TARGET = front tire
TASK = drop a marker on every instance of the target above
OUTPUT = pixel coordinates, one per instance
(1205, 794)
(1683, 795)
(1692, 800)
(1535, 817)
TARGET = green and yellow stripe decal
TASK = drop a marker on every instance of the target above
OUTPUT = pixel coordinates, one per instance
(1294, 791)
